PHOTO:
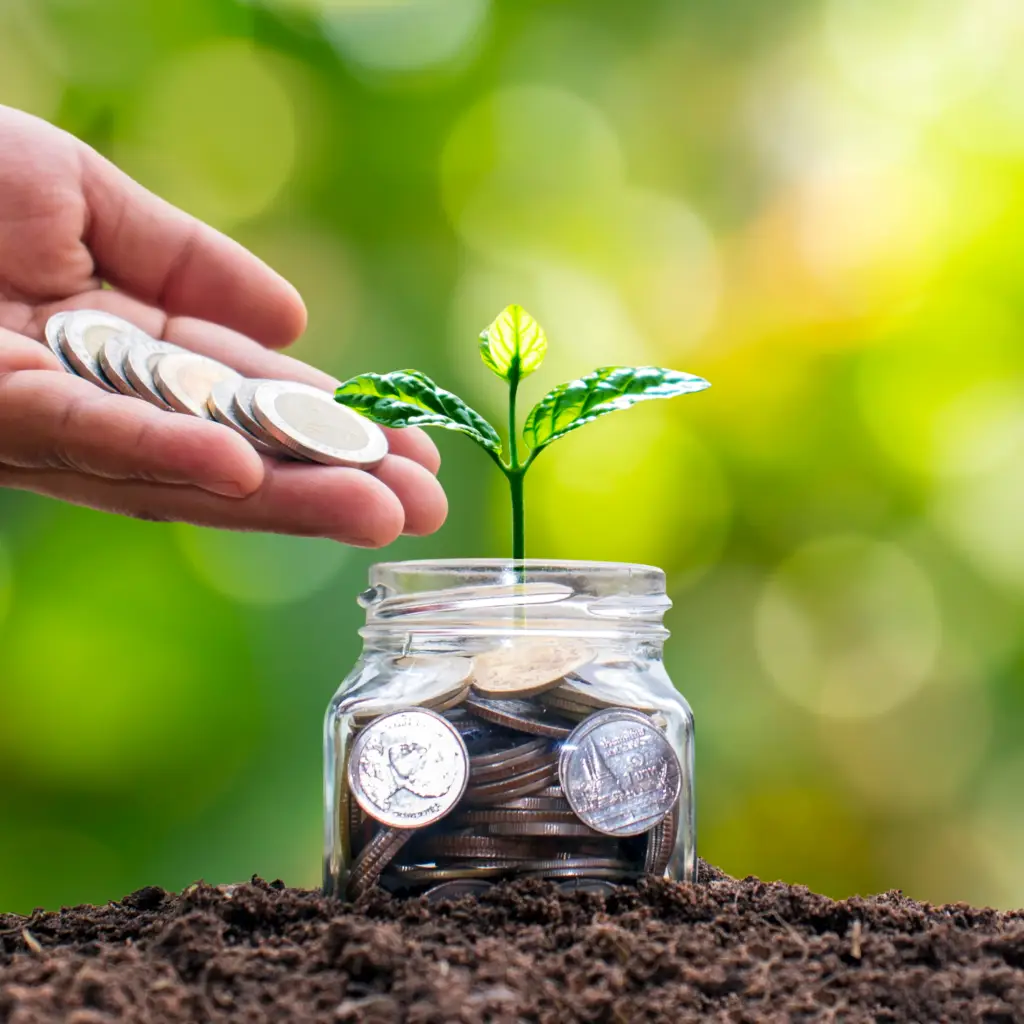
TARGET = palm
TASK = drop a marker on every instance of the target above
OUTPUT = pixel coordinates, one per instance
(70, 222)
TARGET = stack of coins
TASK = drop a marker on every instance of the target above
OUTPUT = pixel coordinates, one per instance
(283, 419)
(512, 764)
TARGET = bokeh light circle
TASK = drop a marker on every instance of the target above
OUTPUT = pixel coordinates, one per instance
(666, 260)
(634, 486)
(522, 168)
(918, 372)
(214, 132)
(848, 627)
(917, 757)
(403, 35)
(981, 459)
(918, 55)
(260, 568)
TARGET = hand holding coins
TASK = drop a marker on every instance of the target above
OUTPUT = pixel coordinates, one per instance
(513, 763)
(128, 429)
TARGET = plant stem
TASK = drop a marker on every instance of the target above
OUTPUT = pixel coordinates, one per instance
(514, 472)
(515, 483)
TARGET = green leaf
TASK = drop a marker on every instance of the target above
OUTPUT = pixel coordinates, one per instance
(580, 401)
(408, 398)
(514, 345)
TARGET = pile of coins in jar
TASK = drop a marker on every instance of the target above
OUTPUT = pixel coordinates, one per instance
(282, 419)
(511, 764)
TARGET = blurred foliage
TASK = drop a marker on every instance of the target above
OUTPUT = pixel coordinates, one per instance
(812, 203)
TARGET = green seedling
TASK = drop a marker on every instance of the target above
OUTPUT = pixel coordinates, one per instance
(512, 347)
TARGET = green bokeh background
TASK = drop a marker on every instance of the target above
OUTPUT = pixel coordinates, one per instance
(814, 203)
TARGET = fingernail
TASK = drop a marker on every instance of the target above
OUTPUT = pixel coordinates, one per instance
(226, 488)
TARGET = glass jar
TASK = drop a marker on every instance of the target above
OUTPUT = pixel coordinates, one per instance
(508, 719)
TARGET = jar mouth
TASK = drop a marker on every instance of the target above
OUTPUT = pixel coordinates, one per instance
(500, 595)
(502, 570)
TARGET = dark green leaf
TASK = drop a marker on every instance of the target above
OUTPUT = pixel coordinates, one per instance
(612, 387)
(408, 398)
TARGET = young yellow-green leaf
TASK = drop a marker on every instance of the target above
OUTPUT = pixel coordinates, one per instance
(408, 398)
(514, 344)
(580, 401)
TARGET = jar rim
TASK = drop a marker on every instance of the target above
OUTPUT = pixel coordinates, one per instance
(511, 565)
(502, 594)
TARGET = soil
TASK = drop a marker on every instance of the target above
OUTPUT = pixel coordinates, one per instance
(721, 950)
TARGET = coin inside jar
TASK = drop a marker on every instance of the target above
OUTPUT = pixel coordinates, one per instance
(374, 858)
(457, 888)
(309, 421)
(526, 668)
(408, 768)
(433, 682)
(521, 715)
(619, 773)
(597, 690)
(515, 758)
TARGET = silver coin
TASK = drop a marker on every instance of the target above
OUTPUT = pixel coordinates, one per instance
(413, 681)
(457, 888)
(83, 334)
(524, 783)
(583, 885)
(600, 685)
(185, 380)
(594, 886)
(620, 874)
(541, 828)
(415, 874)
(52, 334)
(661, 844)
(503, 815)
(374, 858)
(592, 719)
(112, 357)
(408, 768)
(479, 735)
(221, 406)
(527, 667)
(241, 406)
(309, 421)
(620, 774)
(521, 715)
(139, 362)
(509, 756)
(571, 866)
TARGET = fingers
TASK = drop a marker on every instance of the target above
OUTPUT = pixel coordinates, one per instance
(347, 505)
(422, 497)
(415, 444)
(169, 259)
(50, 421)
(20, 353)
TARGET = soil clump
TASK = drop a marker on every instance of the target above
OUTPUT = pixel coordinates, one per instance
(719, 950)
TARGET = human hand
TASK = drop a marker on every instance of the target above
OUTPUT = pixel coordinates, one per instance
(69, 222)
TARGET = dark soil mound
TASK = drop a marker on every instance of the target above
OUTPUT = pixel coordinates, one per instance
(725, 950)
